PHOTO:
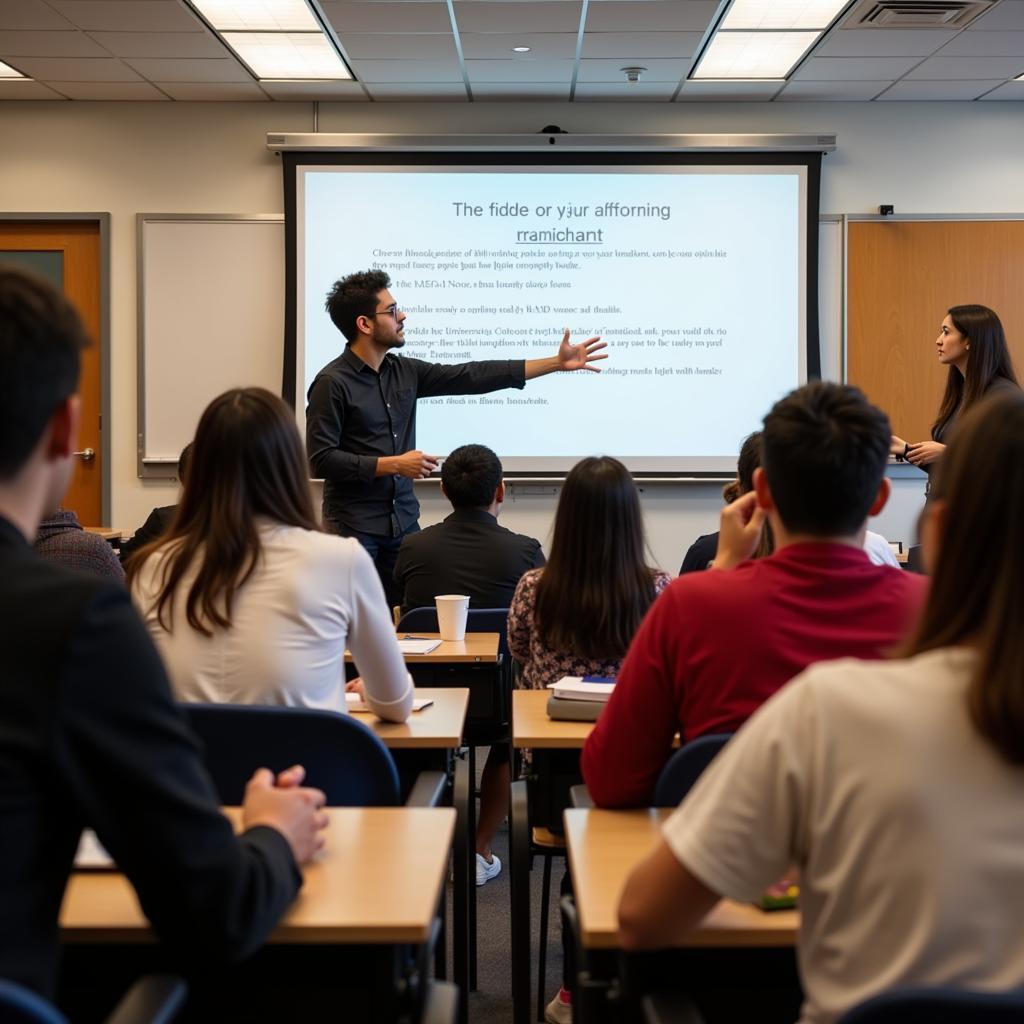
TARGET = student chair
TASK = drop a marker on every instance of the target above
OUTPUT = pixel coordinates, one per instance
(156, 999)
(341, 756)
(685, 767)
(938, 1006)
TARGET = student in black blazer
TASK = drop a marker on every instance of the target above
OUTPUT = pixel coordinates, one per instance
(89, 736)
(159, 520)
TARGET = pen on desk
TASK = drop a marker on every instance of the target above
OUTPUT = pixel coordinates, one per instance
(408, 637)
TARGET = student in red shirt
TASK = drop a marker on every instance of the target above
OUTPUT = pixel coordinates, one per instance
(717, 644)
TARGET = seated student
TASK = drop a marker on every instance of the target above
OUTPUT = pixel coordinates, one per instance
(468, 553)
(160, 519)
(247, 600)
(577, 616)
(90, 734)
(701, 552)
(61, 539)
(717, 644)
(896, 787)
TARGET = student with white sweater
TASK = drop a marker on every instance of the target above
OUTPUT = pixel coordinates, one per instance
(895, 787)
(249, 602)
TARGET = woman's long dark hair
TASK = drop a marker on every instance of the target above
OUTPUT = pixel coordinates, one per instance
(596, 586)
(989, 358)
(247, 460)
(977, 589)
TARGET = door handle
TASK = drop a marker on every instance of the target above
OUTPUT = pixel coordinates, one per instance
(86, 454)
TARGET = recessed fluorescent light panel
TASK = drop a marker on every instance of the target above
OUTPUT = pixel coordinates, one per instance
(8, 72)
(276, 39)
(781, 15)
(753, 55)
(258, 15)
(283, 55)
(765, 39)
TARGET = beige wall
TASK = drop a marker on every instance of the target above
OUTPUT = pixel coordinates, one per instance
(126, 158)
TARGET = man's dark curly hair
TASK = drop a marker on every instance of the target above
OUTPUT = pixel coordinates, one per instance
(355, 296)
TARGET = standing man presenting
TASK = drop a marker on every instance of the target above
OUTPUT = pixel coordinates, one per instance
(361, 417)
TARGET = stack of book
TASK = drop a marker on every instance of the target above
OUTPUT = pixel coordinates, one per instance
(579, 698)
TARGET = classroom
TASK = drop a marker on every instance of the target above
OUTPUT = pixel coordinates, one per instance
(132, 119)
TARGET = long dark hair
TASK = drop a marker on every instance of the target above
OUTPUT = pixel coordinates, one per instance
(977, 589)
(596, 586)
(247, 460)
(989, 359)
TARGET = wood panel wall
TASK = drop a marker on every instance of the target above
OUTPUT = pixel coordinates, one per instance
(902, 277)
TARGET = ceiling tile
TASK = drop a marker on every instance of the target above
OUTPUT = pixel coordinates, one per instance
(212, 91)
(125, 16)
(1007, 15)
(882, 43)
(625, 92)
(658, 70)
(408, 70)
(31, 14)
(831, 91)
(26, 90)
(482, 16)
(330, 92)
(385, 16)
(522, 70)
(952, 90)
(49, 44)
(986, 44)
(76, 69)
(225, 69)
(854, 69)
(109, 90)
(1010, 91)
(400, 45)
(734, 92)
(417, 92)
(640, 44)
(937, 68)
(521, 91)
(650, 16)
(160, 44)
(498, 45)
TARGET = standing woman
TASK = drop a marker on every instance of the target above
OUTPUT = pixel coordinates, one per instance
(972, 344)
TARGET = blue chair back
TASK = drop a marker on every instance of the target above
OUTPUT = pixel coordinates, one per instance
(20, 1005)
(341, 756)
(685, 766)
(938, 1006)
(479, 620)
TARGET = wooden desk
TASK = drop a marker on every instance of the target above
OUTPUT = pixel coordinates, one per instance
(107, 533)
(605, 846)
(532, 728)
(438, 727)
(476, 649)
(377, 881)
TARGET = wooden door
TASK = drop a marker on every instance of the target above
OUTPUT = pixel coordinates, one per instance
(68, 253)
(902, 277)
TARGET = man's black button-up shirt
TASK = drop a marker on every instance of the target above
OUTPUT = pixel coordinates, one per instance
(355, 415)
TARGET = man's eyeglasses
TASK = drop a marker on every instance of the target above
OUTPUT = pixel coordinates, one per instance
(391, 310)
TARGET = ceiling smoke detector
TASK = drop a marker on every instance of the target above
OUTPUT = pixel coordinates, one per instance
(632, 74)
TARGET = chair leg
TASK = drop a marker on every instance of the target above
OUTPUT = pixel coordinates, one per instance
(519, 879)
(545, 899)
(472, 869)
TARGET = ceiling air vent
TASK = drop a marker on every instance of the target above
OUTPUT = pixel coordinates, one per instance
(915, 13)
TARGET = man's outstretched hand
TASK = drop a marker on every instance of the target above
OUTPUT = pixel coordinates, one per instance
(579, 357)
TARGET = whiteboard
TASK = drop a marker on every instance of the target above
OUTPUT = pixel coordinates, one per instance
(211, 317)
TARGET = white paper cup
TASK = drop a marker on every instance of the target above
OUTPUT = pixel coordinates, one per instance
(452, 610)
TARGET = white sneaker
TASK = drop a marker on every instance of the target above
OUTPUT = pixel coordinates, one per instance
(486, 871)
(557, 1012)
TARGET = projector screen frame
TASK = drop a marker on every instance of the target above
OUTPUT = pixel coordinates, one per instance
(618, 151)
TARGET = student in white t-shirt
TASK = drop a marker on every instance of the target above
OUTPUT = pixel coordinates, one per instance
(248, 601)
(896, 787)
